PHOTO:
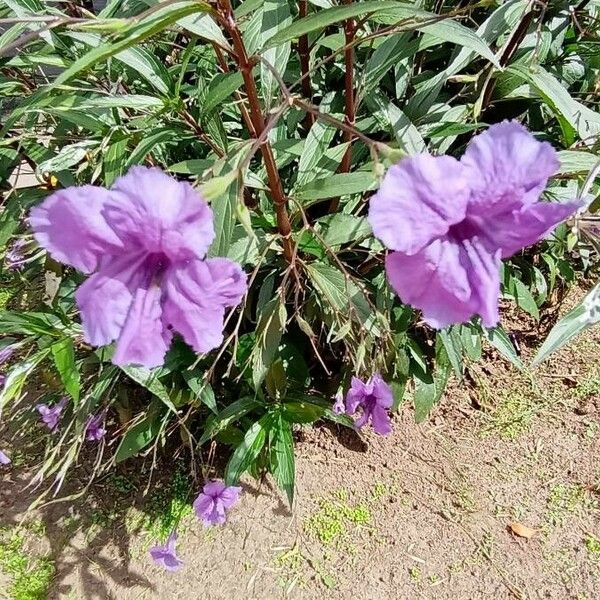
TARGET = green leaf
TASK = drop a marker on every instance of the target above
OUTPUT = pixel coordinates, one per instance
(68, 156)
(453, 345)
(247, 452)
(576, 161)
(302, 412)
(224, 205)
(269, 330)
(583, 119)
(524, 298)
(340, 184)
(429, 390)
(275, 17)
(323, 18)
(17, 376)
(282, 463)
(201, 388)
(572, 324)
(235, 411)
(221, 87)
(141, 434)
(341, 228)
(32, 324)
(149, 379)
(500, 340)
(63, 353)
(148, 143)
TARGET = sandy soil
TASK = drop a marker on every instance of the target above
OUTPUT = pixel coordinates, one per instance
(424, 513)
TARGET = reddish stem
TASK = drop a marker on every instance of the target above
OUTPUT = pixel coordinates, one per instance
(258, 122)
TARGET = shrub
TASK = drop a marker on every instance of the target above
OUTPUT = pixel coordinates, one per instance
(286, 118)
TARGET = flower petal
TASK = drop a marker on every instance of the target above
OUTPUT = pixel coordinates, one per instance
(105, 298)
(69, 224)
(143, 340)
(230, 495)
(355, 395)
(515, 230)
(382, 392)
(203, 505)
(213, 488)
(196, 294)
(508, 166)
(381, 421)
(444, 281)
(419, 199)
(161, 214)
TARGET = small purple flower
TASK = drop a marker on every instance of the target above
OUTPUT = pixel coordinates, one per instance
(144, 241)
(94, 430)
(51, 415)
(212, 503)
(451, 222)
(4, 460)
(374, 397)
(165, 555)
(339, 408)
(15, 257)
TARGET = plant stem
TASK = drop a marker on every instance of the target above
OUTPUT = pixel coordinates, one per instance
(305, 60)
(241, 56)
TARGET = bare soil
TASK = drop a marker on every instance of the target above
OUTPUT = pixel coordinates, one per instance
(424, 513)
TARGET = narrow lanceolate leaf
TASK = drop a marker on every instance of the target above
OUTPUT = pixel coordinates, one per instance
(139, 31)
(323, 18)
(584, 120)
(573, 323)
(247, 452)
(282, 461)
(341, 184)
(269, 330)
(275, 17)
(500, 340)
(17, 376)
(235, 411)
(149, 380)
(142, 433)
(63, 353)
(341, 228)
(221, 87)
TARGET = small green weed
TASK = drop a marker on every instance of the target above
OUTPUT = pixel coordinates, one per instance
(587, 387)
(565, 500)
(592, 545)
(330, 523)
(513, 415)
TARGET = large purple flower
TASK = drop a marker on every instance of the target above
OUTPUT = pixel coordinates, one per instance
(4, 460)
(374, 398)
(144, 240)
(165, 555)
(450, 222)
(214, 500)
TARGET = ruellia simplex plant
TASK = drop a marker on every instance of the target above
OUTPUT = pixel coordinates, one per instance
(251, 216)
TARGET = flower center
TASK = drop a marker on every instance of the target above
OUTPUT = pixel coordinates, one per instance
(465, 230)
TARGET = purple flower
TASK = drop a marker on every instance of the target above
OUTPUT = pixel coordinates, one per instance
(450, 222)
(14, 257)
(165, 555)
(144, 240)
(51, 416)
(2, 380)
(4, 460)
(212, 502)
(94, 429)
(374, 397)
(339, 408)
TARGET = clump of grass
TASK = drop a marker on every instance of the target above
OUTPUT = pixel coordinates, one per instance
(587, 387)
(565, 500)
(513, 414)
(30, 576)
(592, 545)
(331, 523)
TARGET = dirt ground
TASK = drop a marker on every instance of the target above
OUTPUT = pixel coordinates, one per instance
(424, 513)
